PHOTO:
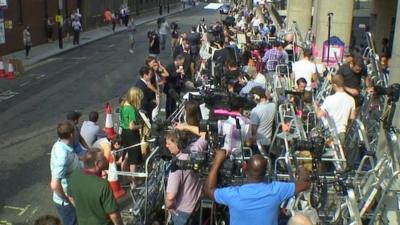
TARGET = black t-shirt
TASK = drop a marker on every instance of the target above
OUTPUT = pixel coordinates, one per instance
(155, 48)
(351, 79)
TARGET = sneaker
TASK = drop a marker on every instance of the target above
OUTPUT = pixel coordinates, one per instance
(131, 51)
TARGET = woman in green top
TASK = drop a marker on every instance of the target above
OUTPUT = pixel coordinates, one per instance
(129, 122)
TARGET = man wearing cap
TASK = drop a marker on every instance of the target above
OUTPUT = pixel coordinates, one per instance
(79, 144)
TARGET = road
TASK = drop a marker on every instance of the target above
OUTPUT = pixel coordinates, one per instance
(30, 107)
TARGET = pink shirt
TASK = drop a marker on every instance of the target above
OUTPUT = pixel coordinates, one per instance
(186, 186)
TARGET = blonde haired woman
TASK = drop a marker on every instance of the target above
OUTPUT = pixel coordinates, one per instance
(129, 122)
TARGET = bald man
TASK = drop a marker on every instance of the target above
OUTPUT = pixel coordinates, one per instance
(256, 202)
(299, 219)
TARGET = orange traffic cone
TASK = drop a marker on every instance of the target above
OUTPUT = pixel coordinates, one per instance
(109, 126)
(112, 178)
(10, 73)
(2, 71)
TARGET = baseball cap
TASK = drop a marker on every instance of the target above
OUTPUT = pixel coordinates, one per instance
(73, 115)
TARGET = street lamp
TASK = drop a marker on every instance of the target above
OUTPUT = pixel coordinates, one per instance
(329, 34)
(59, 24)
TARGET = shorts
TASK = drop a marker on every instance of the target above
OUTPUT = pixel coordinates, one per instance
(129, 138)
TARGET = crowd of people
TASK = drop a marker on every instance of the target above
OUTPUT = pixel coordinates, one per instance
(242, 54)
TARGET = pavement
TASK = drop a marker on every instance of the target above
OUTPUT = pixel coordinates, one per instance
(44, 51)
(83, 78)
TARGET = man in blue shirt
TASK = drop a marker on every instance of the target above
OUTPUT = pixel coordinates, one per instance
(62, 162)
(257, 202)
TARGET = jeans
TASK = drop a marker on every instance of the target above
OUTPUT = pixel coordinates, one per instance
(170, 105)
(180, 218)
(27, 49)
(163, 40)
(76, 37)
(67, 214)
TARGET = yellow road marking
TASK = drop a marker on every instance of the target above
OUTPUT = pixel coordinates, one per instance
(22, 210)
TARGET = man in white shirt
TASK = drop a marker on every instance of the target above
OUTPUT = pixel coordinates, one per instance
(163, 31)
(90, 131)
(305, 69)
(340, 107)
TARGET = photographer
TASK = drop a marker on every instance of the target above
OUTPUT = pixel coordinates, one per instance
(154, 44)
(262, 119)
(257, 202)
(184, 187)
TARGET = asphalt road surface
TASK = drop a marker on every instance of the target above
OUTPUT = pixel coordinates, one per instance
(30, 107)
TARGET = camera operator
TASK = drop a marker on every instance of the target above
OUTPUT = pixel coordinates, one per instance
(184, 187)
(257, 202)
(262, 119)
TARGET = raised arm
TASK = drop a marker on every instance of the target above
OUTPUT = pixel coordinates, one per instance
(211, 182)
(303, 180)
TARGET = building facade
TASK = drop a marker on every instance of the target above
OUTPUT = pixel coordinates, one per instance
(15, 15)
